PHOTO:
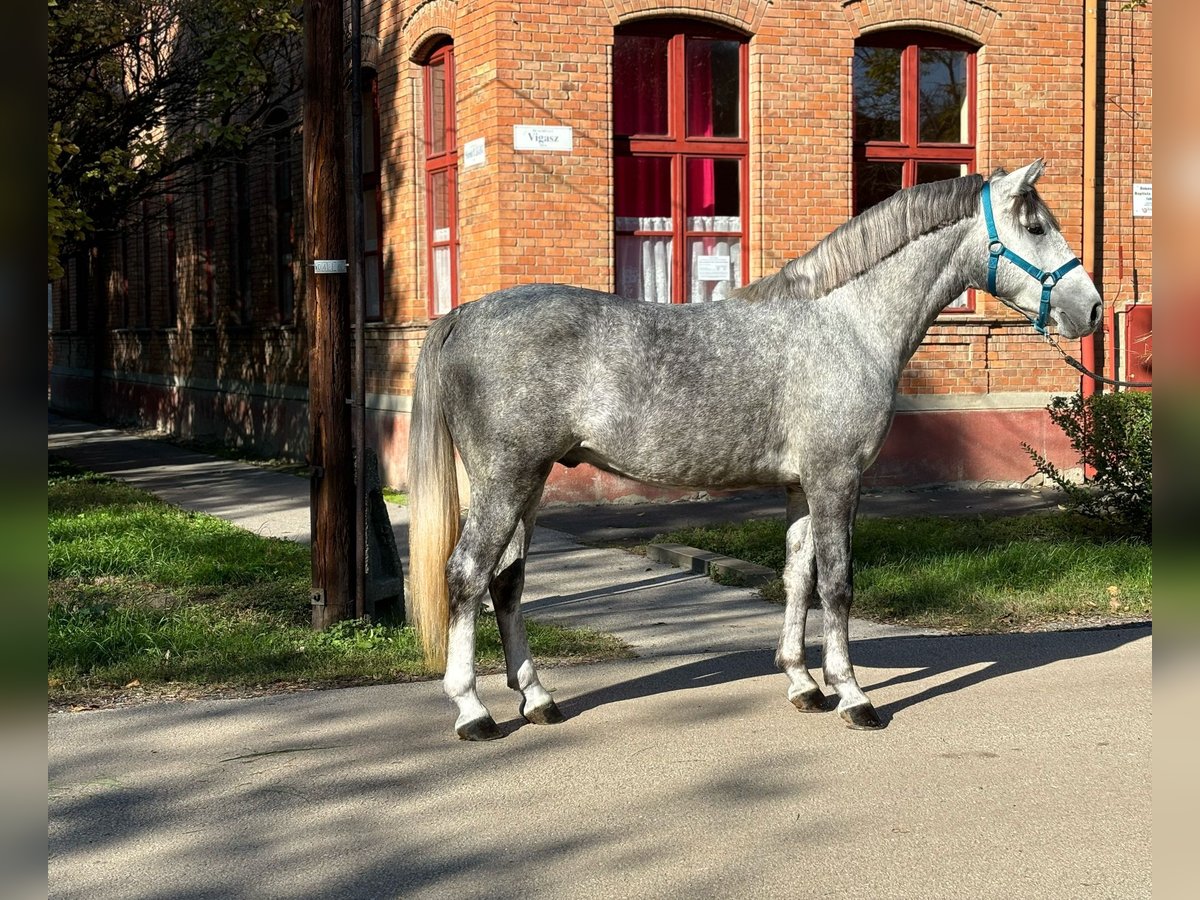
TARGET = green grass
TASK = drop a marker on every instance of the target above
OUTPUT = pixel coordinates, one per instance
(391, 495)
(142, 592)
(971, 574)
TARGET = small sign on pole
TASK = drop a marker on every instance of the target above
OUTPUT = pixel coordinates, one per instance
(329, 267)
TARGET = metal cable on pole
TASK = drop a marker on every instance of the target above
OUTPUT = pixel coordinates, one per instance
(358, 231)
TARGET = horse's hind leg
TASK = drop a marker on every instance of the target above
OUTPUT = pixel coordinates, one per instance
(799, 581)
(536, 703)
(493, 517)
(832, 512)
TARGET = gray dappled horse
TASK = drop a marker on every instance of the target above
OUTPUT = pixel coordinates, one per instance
(792, 381)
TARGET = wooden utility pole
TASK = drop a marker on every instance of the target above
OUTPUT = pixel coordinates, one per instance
(330, 454)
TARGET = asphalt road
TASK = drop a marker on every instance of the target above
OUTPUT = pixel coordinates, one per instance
(1011, 766)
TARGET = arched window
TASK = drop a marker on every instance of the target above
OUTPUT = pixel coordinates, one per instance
(283, 213)
(242, 285)
(441, 181)
(681, 151)
(149, 225)
(914, 115)
(172, 263)
(372, 201)
(206, 297)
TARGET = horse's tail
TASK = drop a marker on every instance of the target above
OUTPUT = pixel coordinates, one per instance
(432, 500)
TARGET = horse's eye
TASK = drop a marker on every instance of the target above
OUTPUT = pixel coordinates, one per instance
(1035, 228)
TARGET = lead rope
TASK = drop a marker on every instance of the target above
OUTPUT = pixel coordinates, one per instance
(1076, 364)
(996, 251)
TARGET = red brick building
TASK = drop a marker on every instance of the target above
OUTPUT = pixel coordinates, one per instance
(668, 151)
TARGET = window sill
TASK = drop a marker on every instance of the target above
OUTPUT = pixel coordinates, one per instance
(247, 327)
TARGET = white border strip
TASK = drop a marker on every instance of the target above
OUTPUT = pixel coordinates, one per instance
(395, 403)
(1006, 400)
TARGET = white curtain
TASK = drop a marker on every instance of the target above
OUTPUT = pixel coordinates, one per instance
(442, 297)
(644, 261)
(714, 263)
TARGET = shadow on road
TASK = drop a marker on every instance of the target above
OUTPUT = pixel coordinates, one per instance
(925, 657)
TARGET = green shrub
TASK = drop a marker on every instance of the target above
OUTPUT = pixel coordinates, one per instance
(1113, 434)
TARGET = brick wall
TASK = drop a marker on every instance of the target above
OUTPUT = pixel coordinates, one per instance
(222, 356)
(1125, 250)
(545, 216)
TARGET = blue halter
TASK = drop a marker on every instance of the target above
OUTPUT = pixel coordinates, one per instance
(996, 249)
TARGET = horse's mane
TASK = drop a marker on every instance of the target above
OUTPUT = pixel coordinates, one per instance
(873, 235)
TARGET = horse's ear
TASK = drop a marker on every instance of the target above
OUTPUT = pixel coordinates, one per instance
(1019, 182)
(1024, 179)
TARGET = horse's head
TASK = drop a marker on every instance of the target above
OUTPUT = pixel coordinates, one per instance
(1030, 265)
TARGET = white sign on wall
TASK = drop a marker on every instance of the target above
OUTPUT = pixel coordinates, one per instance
(1142, 195)
(555, 138)
(712, 268)
(474, 153)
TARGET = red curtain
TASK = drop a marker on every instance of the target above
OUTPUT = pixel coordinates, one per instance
(701, 176)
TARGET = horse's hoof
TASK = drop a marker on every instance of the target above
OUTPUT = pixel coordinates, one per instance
(862, 717)
(811, 701)
(484, 729)
(549, 714)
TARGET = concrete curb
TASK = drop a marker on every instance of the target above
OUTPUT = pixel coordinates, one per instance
(704, 562)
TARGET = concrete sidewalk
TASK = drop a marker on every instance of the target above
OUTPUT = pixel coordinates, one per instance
(1013, 766)
(653, 607)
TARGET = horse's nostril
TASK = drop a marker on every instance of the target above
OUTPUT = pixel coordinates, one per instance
(1097, 311)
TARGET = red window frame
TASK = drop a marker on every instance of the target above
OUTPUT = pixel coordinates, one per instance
(147, 270)
(65, 298)
(124, 274)
(678, 147)
(205, 306)
(172, 272)
(283, 217)
(439, 162)
(909, 150)
(242, 286)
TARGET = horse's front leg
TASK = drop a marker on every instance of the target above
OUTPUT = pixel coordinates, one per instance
(832, 513)
(799, 581)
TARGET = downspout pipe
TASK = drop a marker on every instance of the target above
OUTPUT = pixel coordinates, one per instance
(1089, 350)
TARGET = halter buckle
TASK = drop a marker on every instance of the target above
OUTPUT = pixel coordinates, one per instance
(996, 248)
(1049, 280)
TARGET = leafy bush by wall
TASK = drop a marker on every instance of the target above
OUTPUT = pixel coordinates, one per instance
(1113, 434)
